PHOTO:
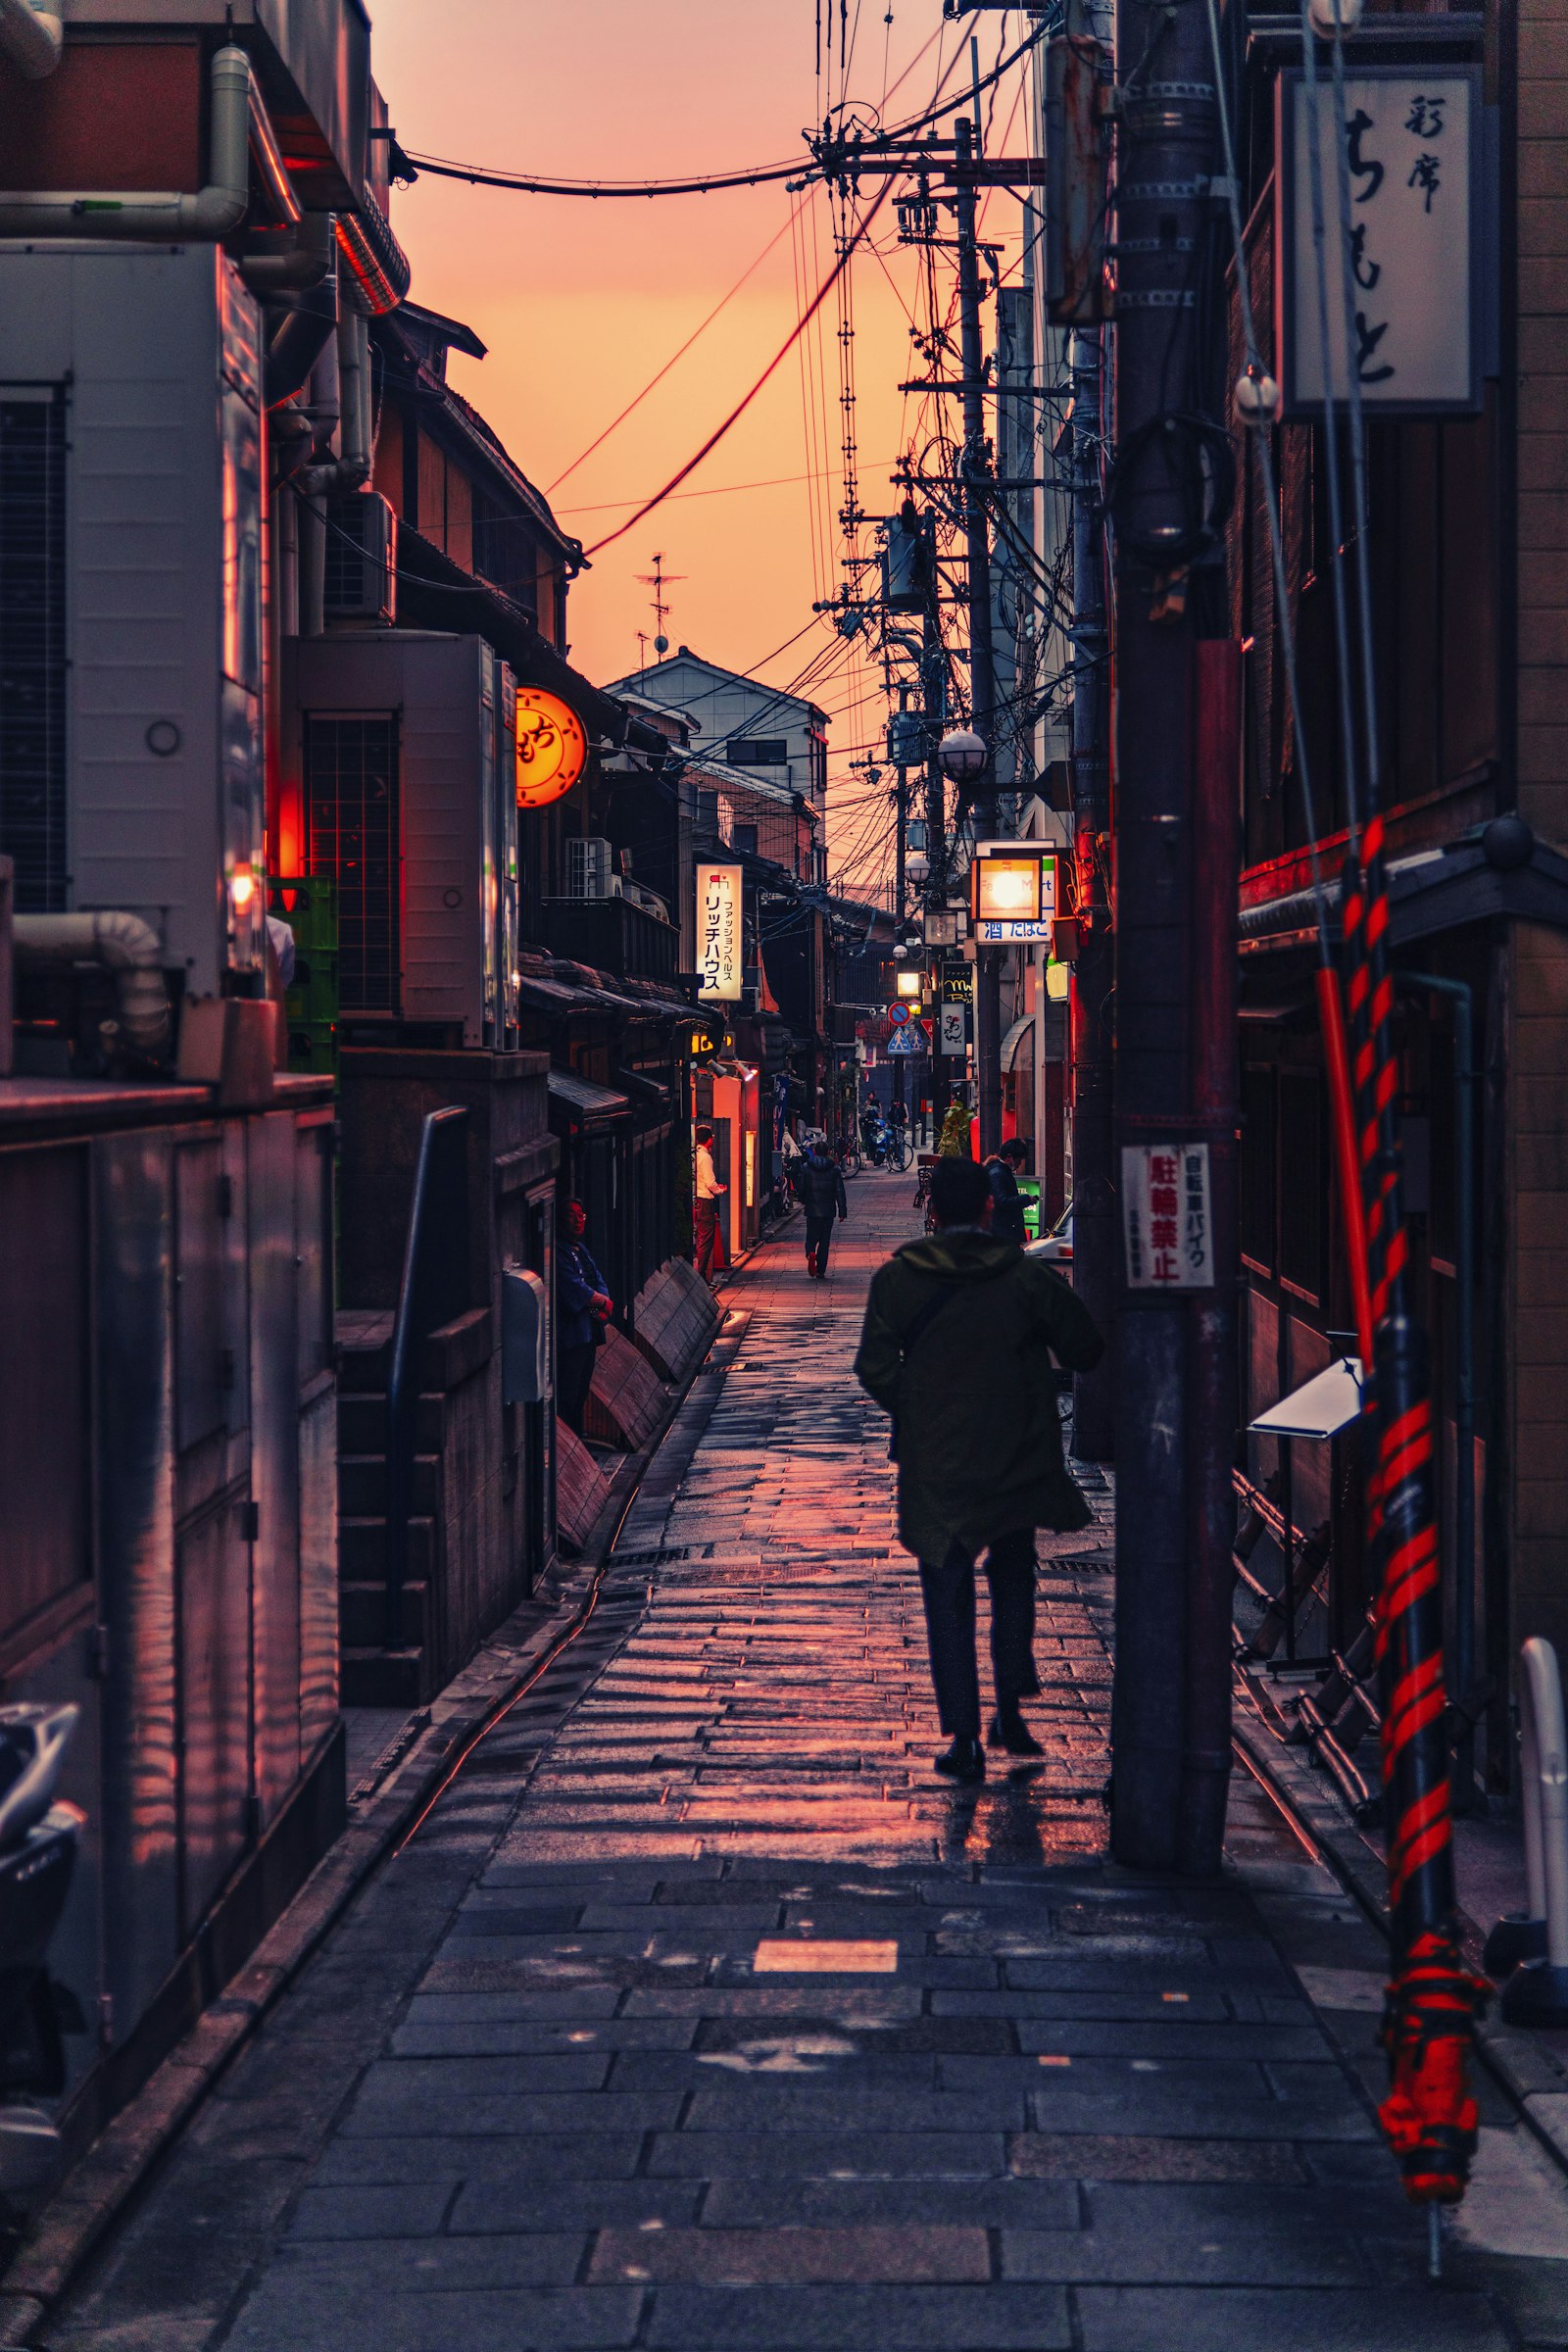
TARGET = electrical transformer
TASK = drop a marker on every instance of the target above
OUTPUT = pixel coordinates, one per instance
(131, 457)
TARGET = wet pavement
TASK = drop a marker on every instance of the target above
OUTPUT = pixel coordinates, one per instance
(699, 2014)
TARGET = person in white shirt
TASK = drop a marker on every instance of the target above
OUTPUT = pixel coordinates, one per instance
(709, 1225)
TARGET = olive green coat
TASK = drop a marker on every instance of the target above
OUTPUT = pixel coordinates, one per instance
(978, 1431)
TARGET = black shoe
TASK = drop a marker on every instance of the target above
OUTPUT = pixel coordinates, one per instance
(964, 1761)
(1013, 1733)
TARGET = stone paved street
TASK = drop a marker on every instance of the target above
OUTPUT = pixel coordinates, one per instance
(699, 2016)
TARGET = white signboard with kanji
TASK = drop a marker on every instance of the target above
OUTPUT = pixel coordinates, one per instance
(1412, 147)
(1167, 1224)
(953, 1028)
(719, 952)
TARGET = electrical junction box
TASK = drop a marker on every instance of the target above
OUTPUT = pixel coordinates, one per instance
(524, 1337)
(131, 466)
(402, 741)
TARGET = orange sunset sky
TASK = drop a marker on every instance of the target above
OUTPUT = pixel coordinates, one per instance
(581, 302)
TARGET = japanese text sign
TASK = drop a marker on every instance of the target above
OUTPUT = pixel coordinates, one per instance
(1166, 1221)
(953, 1033)
(1410, 140)
(718, 932)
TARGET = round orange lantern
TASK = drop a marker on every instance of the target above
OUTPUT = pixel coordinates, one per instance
(552, 748)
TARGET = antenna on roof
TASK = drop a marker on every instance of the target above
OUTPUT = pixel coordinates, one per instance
(658, 580)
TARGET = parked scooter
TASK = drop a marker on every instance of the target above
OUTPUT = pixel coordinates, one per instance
(38, 1834)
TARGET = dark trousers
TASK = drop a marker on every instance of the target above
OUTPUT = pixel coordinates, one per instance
(574, 1372)
(819, 1234)
(949, 1595)
(710, 1246)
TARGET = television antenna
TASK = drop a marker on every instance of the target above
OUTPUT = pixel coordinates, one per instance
(659, 581)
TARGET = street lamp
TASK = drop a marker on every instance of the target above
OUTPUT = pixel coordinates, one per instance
(963, 756)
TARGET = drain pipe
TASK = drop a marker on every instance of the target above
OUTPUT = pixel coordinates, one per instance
(350, 469)
(125, 946)
(213, 214)
(30, 37)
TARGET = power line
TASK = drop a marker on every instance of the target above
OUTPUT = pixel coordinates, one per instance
(745, 400)
(750, 271)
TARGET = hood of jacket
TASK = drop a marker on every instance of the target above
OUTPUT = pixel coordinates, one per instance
(960, 1256)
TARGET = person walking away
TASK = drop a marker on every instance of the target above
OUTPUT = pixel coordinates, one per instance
(584, 1306)
(1002, 1170)
(710, 1220)
(960, 1330)
(819, 1183)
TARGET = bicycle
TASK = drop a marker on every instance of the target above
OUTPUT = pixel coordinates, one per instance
(901, 1152)
(849, 1158)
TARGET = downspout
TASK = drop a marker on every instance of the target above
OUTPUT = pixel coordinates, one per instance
(125, 946)
(30, 37)
(350, 469)
(206, 217)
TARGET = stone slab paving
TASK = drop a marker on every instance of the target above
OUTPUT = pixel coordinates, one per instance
(699, 2014)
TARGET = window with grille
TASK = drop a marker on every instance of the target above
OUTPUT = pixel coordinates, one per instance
(351, 793)
(32, 642)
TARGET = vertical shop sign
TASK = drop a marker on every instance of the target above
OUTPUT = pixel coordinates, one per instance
(718, 932)
(1412, 147)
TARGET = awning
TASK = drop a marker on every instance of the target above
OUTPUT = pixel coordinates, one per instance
(1015, 1039)
(1431, 891)
(1320, 1407)
(582, 1102)
(647, 1090)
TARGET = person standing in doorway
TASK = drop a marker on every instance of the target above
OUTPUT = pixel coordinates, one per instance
(960, 1330)
(712, 1252)
(819, 1184)
(1002, 1170)
(584, 1306)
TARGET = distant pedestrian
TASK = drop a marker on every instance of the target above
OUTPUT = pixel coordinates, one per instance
(1002, 1170)
(819, 1184)
(959, 1334)
(712, 1249)
(584, 1307)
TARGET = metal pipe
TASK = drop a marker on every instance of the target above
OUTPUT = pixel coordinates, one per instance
(214, 212)
(1461, 995)
(30, 37)
(350, 469)
(125, 946)
(270, 165)
(298, 264)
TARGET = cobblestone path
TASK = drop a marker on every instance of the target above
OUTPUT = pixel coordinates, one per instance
(699, 2016)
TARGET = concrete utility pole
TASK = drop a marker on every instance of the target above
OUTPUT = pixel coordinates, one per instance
(1093, 1164)
(900, 845)
(1167, 144)
(934, 710)
(982, 682)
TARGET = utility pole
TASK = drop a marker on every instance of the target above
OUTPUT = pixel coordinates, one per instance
(934, 706)
(982, 685)
(1168, 137)
(1094, 1166)
(900, 806)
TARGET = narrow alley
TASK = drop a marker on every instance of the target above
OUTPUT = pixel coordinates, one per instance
(697, 2013)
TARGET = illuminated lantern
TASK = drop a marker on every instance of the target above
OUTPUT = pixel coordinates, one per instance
(552, 748)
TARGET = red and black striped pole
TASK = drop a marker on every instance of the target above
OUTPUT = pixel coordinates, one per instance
(1429, 2115)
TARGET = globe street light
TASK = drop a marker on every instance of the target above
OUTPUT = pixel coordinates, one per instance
(963, 756)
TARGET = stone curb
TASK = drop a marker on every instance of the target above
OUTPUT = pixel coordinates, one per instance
(108, 2176)
(1520, 2071)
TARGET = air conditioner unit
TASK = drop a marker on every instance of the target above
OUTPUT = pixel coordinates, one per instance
(590, 869)
(360, 572)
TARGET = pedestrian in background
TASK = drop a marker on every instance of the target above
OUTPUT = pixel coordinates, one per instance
(819, 1183)
(710, 1220)
(960, 1330)
(583, 1307)
(1002, 1170)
